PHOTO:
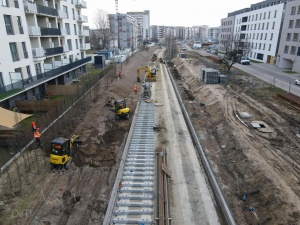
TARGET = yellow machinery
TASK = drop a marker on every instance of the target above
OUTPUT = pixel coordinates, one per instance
(121, 110)
(61, 151)
(150, 73)
(153, 57)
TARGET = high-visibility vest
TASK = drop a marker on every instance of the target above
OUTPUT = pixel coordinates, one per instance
(36, 134)
(134, 88)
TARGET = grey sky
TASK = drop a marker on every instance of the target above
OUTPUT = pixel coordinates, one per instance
(172, 12)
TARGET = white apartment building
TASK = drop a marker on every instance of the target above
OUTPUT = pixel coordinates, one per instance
(226, 31)
(261, 28)
(43, 42)
(143, 20)
(213, 34)
(289, 47)
(124, 31)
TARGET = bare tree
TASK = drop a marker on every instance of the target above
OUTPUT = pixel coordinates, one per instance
(171, 47)
(235, 46)
(101, 33)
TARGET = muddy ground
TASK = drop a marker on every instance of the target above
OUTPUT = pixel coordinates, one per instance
(81, 194)
(264, 166)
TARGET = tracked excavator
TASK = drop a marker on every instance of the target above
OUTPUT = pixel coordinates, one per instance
(61, 151)
(150, 73)
(119, 107)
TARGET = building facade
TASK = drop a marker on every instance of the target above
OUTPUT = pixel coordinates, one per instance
(143, 20)
(289, 47)
(43, 42)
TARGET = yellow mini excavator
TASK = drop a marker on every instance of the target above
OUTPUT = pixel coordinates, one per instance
(150, 73)
(122, 111)
(61, 150)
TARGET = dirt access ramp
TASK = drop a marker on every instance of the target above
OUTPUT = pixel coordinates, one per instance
(264, 166)
(81, 194)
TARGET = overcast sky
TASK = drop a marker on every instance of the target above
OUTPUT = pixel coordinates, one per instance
(172, 12)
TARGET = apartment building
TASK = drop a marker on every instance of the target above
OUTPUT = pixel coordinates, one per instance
(289, 47)
(143, 20)
(259, 26)
(213, 34)
(124, 31)
(226, 31)
(43, 42)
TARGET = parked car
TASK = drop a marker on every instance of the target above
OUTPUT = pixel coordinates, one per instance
(297, 82)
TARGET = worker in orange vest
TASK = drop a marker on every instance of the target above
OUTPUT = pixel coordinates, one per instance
(135, 89)
(37, 135)
(33, 125)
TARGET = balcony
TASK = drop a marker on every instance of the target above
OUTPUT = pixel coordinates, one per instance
(82, 19)
(66, 48)
(80, 4)
(34, 31)
(85, 46)
(50, 31)
(22, 85)
(38, 52)
(44, 10)
(53, 51)
(30, 7)
(62, 14)
(84, 33)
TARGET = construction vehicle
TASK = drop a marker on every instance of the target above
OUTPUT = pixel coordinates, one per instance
(121, 110)
(150, 73)
(146, 91)
(153, 57)
(61, 151)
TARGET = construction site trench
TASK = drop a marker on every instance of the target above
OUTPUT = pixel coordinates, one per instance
(264, 166)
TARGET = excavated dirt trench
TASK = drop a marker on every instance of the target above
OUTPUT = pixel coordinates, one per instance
(265, 166)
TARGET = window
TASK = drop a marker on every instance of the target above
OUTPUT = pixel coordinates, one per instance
(275, 13)
(298, 11)
(4, 3)
(70, 44)
(255, 45)
(288, 36)
(273, 25)
(286, 49)
(258, 26)
(71, 59)
(267, 26)
(1, 81)
(14, 51)
(293, 10)
(264, 46)
(298, 53)
(68, 28)
(20, 25)
(260, 16)
(271, 37)
(29, 73)
(76, 44)
(259, 46)
(265, 15)
(293, 50)
(8, 25)
(263, 26)
(73, 13)
(66, 11)
(291, 23)
(37, 69)
(252, 17)
(24, 50)
(270, 47)
(295, 36)
(266, 36)
(269, 15)
(260, 56)
(249, 36)
(257, 36)
(256, 16)
(75, 30)
(251, 26)
(254, 26)
(261, 36)
(297, 25)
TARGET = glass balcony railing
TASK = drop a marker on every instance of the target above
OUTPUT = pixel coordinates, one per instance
(50, 31)
(80, 4)
(21, 85)
(46, 10)
(53, 51)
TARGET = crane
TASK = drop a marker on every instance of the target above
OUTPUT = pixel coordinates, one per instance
(116, 5)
